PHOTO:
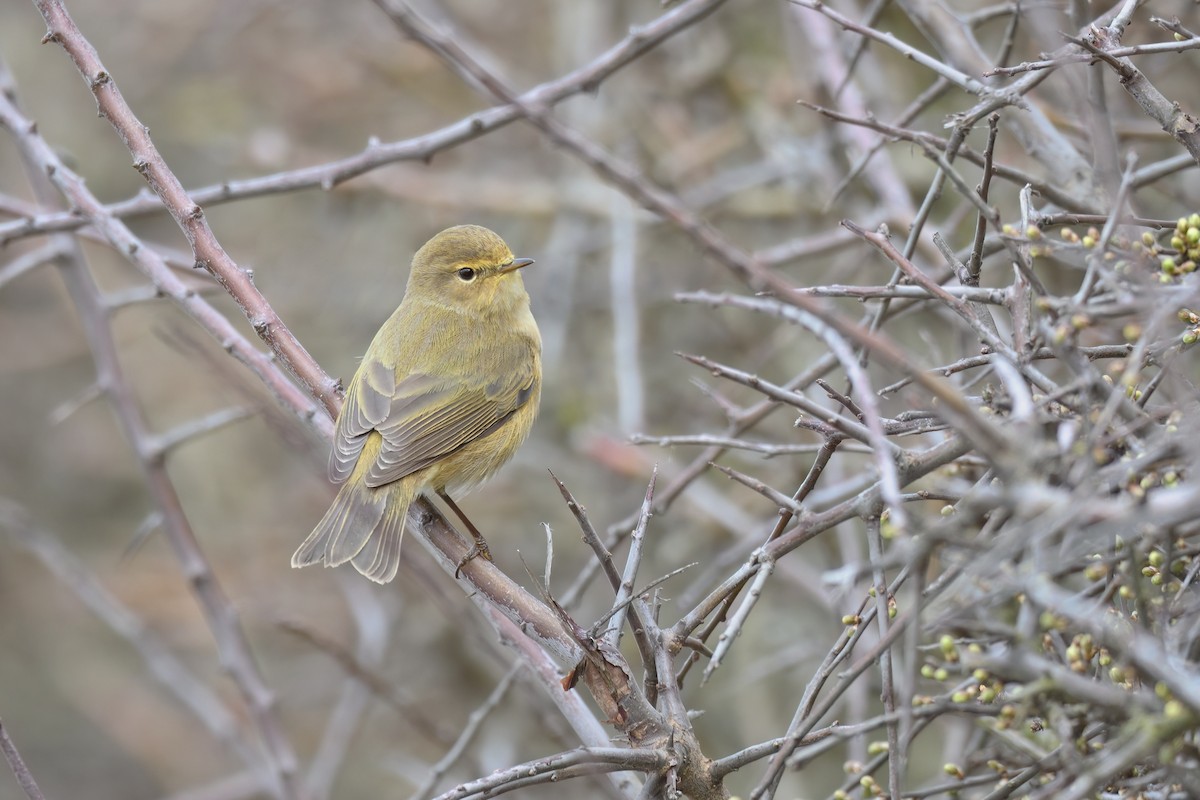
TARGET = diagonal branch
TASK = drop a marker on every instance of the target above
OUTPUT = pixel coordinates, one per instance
(47, 163)
(232, 644)
(188, 215)
(17, 764)
(708, 238)
(585, 79)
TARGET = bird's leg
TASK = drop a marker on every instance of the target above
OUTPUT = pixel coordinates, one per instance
(480, 548)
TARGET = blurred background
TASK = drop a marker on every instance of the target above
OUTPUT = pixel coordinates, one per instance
(232, 89)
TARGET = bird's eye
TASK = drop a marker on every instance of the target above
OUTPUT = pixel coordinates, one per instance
(466, 274)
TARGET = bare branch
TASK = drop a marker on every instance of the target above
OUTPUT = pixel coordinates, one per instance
(17, 764)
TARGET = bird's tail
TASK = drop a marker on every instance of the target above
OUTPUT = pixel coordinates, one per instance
(363, 526)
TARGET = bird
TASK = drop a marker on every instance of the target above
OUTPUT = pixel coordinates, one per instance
(447, 391)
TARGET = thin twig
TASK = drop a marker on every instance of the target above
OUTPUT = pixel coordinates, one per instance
(17, 764)
(474, 721)
(587, 78)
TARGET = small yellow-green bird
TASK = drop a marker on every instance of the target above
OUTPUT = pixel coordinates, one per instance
(446, 393)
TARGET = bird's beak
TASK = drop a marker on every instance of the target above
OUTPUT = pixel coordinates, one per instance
(516, 264)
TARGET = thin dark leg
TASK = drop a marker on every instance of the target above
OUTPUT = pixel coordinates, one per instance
(480, 548)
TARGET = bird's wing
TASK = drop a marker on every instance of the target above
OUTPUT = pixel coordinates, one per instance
(428, 419)
(367, 403)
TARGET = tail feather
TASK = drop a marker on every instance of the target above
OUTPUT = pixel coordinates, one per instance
(363, 526)
(380, 557)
